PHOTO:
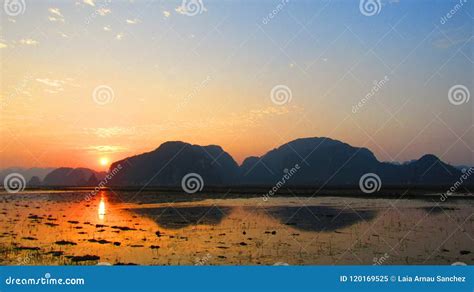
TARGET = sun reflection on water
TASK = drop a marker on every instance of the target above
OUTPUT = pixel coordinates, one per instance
(102, 208)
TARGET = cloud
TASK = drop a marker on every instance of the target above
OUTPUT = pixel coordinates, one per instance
(89, 2)
(119, 36)
(453, 37)
(55, 11)
(55, 85)
(166, 13)
(106, 148)
(50, 82)
(107, 28)
(103, 11)
(29, 42)
(111, 132)
(2, 46)
(133, 21)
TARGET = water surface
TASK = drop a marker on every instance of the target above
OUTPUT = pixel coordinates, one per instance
(63, 228)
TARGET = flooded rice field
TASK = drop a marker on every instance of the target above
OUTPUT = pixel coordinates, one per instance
(72, 228)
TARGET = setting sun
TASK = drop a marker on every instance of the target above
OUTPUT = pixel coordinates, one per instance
(104, 161)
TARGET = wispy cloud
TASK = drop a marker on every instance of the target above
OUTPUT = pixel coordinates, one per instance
(166, 13)
(107, 28)
(29, 42)
(89, 2)
(55, 85)
(55, 11)
(133, 21)
(103, 11)
(111, 132)
(119, 36)
(106, 148)
(2, 45)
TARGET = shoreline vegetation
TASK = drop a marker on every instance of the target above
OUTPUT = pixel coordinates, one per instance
(413, 192)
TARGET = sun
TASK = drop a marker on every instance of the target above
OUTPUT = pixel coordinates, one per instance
(104, 161)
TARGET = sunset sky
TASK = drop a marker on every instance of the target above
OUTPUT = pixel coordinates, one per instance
(87, 80)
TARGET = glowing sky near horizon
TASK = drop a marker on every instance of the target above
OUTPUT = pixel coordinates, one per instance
(207, 79)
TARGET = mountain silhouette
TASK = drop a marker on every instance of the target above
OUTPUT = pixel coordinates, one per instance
(310, 161)
(167, 165)
(66, 176)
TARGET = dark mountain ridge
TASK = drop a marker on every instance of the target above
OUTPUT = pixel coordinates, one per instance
(320, 162)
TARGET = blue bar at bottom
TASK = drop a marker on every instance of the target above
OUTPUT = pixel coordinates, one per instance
(233, 278)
